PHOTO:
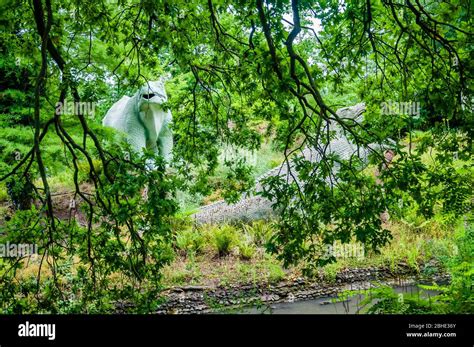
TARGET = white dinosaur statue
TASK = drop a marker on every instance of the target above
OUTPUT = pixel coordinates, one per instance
(144, 120)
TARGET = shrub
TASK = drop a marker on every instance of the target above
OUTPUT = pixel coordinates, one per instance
(224, 239)
(190, 240)
(84, 169)
(246, 251)
(260, 231)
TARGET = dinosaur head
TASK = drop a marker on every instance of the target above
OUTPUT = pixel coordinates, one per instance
(151, 94)
(151, 113)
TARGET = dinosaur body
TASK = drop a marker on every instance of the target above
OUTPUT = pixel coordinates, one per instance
(144, 120)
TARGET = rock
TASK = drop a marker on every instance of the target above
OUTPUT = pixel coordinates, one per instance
(195, 288)
(200, 299)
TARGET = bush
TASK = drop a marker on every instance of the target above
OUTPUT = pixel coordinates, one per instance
(260, 232)
(84, 169)
(223, 239)
(189, 240)
(246, 251)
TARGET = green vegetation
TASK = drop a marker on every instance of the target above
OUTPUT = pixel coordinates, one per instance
(424, 251)
(189, 241)
(229, 254)
(250, 85)
(223, 239)
(455, 297)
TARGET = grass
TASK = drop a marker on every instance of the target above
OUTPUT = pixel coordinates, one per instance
(3, 192)
(409, 246)
(242, 259)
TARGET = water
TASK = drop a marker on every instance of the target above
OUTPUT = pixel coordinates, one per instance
(325, 305)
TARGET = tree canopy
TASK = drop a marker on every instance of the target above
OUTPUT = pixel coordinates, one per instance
(228, 66)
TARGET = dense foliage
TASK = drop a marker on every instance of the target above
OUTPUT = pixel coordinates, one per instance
(455, 297)
(230, 66)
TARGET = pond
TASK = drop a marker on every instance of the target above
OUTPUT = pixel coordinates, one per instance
(325, 305)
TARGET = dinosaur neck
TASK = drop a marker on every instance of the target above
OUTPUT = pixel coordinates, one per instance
(152, 117)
